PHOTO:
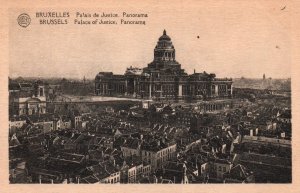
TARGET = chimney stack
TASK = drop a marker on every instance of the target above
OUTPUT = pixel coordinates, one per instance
(155, 179)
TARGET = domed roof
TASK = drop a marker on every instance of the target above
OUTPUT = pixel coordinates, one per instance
(164, 37)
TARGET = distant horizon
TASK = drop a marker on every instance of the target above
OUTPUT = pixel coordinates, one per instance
(81, 78)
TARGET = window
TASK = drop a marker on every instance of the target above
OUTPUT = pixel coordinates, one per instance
(224, 169)
(41, 92)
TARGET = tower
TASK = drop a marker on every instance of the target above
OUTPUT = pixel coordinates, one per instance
(264, 77)
(164, 50)
(164, 58)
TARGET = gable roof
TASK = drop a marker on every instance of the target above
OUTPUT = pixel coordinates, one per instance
(238, 172)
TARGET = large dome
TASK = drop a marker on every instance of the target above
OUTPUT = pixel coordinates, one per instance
(164, 50)
(164, 37)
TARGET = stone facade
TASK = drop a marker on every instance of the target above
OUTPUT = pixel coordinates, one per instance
(27, 99)
(162, 79)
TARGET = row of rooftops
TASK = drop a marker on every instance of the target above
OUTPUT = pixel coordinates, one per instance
(75, 158)
(40, 118)
(69, 157)
(46, 117)
(156, 141)
(148, 143)
(266, 159)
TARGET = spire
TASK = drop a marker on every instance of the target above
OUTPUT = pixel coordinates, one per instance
(165, 33)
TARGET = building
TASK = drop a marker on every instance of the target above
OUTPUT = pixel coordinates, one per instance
(175, 172)
(219, 167)
(158, 153)
(163, 79)
(285, 117)
(239, 174)
(16, 123)
(105, 173)
(132, 146)
(268, 168)
(27, 99)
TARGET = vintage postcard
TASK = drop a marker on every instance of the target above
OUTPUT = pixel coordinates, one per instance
(154, 96)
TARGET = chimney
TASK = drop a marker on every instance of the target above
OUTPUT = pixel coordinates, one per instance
(184, 175)
(155, 179)
(224, 148)
(194, 71)
(164, 140)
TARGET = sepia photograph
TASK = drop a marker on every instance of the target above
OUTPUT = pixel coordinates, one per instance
(196, 92)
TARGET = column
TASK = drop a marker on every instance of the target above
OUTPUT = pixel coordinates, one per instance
(180, 91)
(125, 87)
(216, 90)
(150, 95)
(134, 87)
(150, 86)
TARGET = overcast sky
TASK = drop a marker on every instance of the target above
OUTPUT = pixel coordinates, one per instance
(236, 38)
